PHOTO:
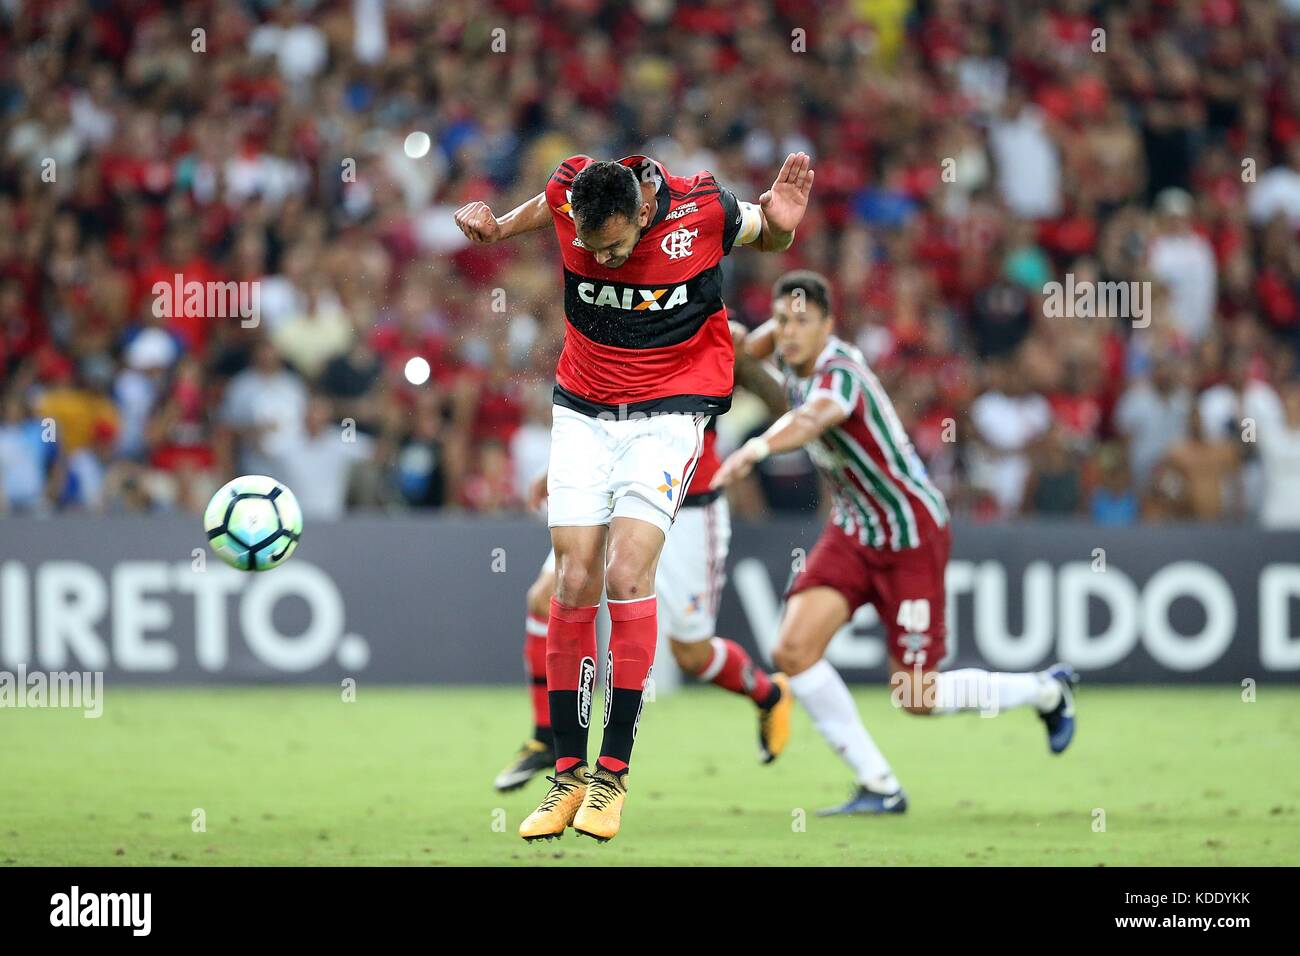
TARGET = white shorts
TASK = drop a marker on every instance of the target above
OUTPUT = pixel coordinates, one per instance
(692, 571)
(635, 467)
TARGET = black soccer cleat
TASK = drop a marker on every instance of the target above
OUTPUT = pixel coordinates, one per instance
(534, 757)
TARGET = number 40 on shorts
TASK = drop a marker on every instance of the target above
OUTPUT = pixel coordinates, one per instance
(914, 616)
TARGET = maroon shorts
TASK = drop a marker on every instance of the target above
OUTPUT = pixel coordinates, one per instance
(905, 587)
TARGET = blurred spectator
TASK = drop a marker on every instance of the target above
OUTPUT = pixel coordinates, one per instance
(318, 464)
(321, 331)
(25, 458)
(1198, 479)
(149, 356)
(489, 488)
(77, 405)
(1153, 415)
(422, 465)
(1009, 419)
(1055, 485)
(87, 468)
(1183, 260)
(182, 448)
(530, 446)
(1113, 503)
(1237, 410)
(1277, 193)
(264, 408)
(1027, 159)
(1279, 453)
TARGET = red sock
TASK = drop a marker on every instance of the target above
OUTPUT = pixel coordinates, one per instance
(634, 632)
(731, 668)
(535, 671)
(570, 680)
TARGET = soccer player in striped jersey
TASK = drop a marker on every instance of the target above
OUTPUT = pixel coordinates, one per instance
(886, 544)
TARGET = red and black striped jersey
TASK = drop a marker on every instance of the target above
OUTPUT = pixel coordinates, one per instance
(650, 335)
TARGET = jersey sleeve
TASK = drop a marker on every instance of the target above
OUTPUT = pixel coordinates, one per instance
(741, 222)
(559, 188)
(733, 217)
(837, 384)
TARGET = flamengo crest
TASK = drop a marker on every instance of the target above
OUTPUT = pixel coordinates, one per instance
(677, 244)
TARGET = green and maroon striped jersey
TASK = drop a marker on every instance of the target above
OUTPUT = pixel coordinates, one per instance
(883, 495)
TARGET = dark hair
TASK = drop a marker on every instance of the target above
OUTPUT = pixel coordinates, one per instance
(814, 285)
(604, 190)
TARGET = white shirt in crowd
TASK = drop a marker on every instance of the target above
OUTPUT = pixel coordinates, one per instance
(1153, 423)
(1244, 417)
(278, 400)
(300, 50)
(1279, 456)
(1225, 414)
(1184, 264)
(318, 466)
(1007, 424)
(1028, 165)
(1278, 191)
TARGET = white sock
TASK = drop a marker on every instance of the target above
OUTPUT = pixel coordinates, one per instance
(991, 692)
(824, 695)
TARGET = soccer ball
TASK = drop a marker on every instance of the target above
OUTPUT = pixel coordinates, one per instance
(253, 523)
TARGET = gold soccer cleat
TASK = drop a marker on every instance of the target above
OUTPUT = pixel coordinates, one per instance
(774, 723)
(557, 810)
(602, 807)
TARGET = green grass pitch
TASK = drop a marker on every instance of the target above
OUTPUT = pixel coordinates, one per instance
(1191, 776)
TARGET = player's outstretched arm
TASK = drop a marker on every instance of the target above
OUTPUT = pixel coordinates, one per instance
(792, 430)
(771, 224)
(475, 219)
(756, 376)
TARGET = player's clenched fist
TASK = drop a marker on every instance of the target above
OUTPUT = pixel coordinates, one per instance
(475, 219)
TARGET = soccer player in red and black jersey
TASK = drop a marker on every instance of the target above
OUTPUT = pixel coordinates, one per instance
(688, 590)
(647, 359)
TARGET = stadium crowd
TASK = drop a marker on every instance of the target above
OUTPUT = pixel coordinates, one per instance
(968, 154)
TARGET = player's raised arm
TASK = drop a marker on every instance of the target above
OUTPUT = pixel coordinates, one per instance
(478, 223)
(792, 430)
(770, 226)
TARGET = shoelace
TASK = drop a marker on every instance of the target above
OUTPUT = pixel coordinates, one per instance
(601, 791)
(558, 789)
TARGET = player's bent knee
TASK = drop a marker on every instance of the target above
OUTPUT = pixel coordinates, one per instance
(793, 659)
(693, 657)
(575, 585)
(628, 581)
